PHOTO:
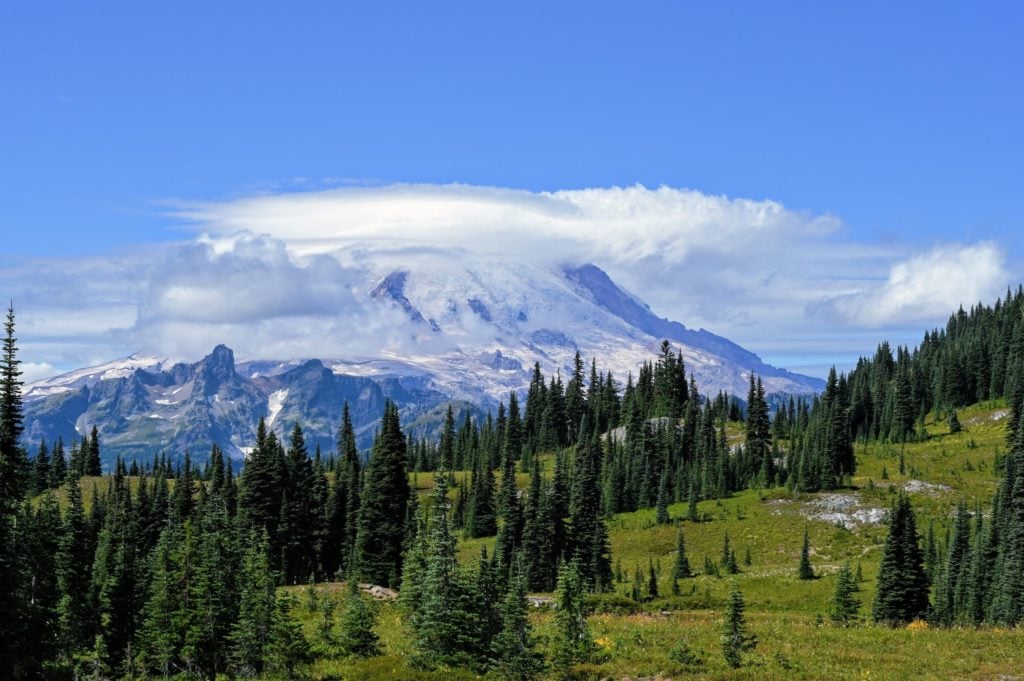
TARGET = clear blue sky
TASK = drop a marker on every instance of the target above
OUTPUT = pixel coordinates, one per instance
(904, 119)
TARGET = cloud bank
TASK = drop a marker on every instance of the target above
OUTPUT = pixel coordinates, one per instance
(287, 275)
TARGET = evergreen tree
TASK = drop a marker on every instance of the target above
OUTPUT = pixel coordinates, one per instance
(736, 640)
(806, 571)
(357, 635)
(382, 511)
(573, 642)
(13, 468)
(845, 604)
(73, 565)
(261, 485)
(510, 531)
(447, 624)
(514, 654)
(681, 567)
(588, 535)
(93, 465)
(482, 521)
(902, 592)
(299, 511)
(661, 507)
(58, 465)
(287, 650)
(251, 634)
(159, 635)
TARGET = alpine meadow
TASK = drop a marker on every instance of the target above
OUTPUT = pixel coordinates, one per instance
(461, 341)
(589, 533)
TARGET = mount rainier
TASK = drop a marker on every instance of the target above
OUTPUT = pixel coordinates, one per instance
(467, 334)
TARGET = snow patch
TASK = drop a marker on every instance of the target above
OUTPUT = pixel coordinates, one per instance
(274, 405)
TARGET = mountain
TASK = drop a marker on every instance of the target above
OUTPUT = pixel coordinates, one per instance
(467, 332)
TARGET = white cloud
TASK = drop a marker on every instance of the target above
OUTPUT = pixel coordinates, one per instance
(615, 225)
(34, 371)
(927, 286)
(287, 275)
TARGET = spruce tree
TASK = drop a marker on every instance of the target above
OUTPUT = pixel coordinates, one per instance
(74, 568)
(736, 640)
(902, 591)
(661, 506)
(681, 567)
(93, 465)
(514, 654)
(382, 511)
(805, 571)
(287, 650)
(13, 468)
(251, 632)
(159, 636)
(573, 642)
(588, 535)
(446, 624)
(652, 580)
(845, 604)
(357, 622)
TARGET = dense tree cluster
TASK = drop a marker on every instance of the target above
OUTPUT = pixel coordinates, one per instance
(979, 572)
(979, 355)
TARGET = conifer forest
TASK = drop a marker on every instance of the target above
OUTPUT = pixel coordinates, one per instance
(597, 526)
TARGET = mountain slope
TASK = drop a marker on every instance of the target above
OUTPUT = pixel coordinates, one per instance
(473, 332)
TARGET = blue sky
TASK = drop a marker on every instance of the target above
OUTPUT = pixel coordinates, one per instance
(901, 122)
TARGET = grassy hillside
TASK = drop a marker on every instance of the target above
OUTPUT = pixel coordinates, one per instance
(789, 616)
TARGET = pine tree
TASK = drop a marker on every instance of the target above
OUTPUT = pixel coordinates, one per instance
(357, 622)
(287, 650)
(845, 604)
(251, 633)
(681, 567)
(902, 592)
(806, 571)
(510, 532)
(514, 654)
(40, 479)
(298, 545)
(482, 521)
(13, 468)
(446, 624)
(736, 640)
(159, 636)
(261, 485)
(661, 507)
(73, 565)
(588, 536)
(573, 642)
(652, 581)
(382, 511)
(58, 465)
(93, 465)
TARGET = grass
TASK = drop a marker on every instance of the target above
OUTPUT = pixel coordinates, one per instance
(796, 639)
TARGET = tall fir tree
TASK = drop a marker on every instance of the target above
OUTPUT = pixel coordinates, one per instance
(573, 643)
(902, 591)
(382, 511)
(514, 654)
